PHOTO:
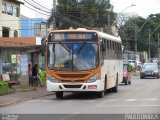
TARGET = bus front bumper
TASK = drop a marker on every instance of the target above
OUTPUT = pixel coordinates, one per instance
(98, 85)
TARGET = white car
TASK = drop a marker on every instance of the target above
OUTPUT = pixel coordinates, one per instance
(132, 63)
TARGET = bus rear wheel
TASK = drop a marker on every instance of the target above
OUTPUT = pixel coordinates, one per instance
(115, 89)
(59, 95)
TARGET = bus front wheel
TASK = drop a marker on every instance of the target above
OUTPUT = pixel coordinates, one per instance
(101, 94)
(59, 95)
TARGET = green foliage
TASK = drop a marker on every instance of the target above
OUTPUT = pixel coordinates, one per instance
(132, 25)
(83, 13)
(4, 88)
(3, 85)
(42, 75)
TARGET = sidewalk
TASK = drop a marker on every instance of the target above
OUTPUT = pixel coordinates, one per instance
(22, 95)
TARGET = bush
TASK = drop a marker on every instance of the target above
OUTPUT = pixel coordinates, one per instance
(4, 88)
(3, 85)
(42, 75)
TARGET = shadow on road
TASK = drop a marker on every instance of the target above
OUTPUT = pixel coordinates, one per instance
(82, 95)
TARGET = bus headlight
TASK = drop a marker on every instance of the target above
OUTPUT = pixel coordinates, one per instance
(93, 78)
(52, 79)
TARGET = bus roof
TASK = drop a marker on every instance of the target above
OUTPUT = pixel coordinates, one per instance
(101, 34)
(107, 36)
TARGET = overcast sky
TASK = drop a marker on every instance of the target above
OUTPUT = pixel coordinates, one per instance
(143, 7)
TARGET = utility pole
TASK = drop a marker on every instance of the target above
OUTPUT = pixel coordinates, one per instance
(135, 57)
(54, 14)
(109, 19)
(149, 45)
(158, 47)
(158, 40)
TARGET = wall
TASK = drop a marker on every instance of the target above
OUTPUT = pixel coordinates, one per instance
(28, 26)
(9, 21)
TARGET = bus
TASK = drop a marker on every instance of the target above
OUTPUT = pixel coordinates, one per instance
(81, 60)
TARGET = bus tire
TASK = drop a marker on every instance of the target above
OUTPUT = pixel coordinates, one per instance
(101, 94)
(115, 89)
(105, 83)
(59, 95)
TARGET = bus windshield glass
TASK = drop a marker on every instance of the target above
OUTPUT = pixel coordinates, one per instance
(73, 56)
(72, 36)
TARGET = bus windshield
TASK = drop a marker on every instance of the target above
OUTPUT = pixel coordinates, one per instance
(72, 56)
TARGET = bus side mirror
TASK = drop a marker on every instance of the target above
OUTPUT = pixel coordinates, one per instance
(43, 41)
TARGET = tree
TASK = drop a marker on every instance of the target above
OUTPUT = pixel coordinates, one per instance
(82, 13)
(127, 33)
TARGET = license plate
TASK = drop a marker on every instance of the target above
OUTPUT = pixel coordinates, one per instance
(92, 87)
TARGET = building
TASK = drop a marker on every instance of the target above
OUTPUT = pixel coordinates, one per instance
(18, 47)
(33, 27)
(10, 18)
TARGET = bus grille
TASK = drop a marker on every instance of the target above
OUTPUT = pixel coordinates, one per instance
(72, 86)
(72, 75)
(72, 81)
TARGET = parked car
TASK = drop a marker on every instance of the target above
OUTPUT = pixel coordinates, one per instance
(126, 76)
(149, 70)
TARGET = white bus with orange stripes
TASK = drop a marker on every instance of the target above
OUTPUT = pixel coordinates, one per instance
(81, 60)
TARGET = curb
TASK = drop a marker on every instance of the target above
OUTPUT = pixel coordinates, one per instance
(23, 100)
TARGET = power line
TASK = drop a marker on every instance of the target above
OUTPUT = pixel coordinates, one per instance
(26, 19)
(36, 7)
(36, 11)
(40, 5)
(71, 21)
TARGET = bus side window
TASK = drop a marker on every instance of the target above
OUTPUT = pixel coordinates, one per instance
(111, 48)
(120, 51)
(102, 52)
(103, 45)
(114, 50)
(107, 49)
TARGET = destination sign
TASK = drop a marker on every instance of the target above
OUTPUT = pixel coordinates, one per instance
(65, 36)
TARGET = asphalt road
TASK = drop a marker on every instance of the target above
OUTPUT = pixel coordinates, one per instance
(142, 96)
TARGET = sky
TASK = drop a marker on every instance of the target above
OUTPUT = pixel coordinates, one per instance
(142, 8)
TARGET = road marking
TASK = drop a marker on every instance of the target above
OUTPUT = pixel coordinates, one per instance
(127, 100)
(149, 99)
(144, 99)
(108, 100)
(129, 106)
(130, 100)
(89, 101)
